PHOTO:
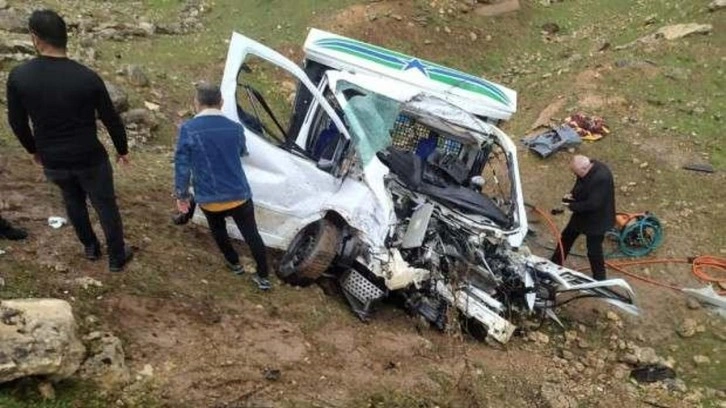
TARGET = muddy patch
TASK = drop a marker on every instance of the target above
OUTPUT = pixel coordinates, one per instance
(204, 355)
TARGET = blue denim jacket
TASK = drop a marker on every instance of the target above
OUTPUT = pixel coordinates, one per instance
(209, 150)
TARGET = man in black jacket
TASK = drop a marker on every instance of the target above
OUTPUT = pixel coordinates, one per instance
(592, 202)
(61, 98)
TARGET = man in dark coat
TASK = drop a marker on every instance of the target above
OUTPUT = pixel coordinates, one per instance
(592, 202)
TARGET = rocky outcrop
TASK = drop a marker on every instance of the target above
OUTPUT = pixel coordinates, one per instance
(38, 337)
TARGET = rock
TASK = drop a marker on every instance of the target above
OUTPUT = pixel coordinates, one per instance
(701, 360)
(46, 391)
(38, 338)
(687, 328)
(17, 46)
(151, 106)
(147, 371)
(169, 29)
(670, 33)
(140, 116)
(3, 4)
(538, 337)
(502, 7)
(716, 5)
(473, 36)
(87, 282)
(570, 335)
(13, 21)
(148, 28)
(646, 355)
(550, 28)
(677, 31)
(106, 365)
(118, 96)
(621, 371)
(675, 385)
(629, 358)
(612, 316)
(136, 76)
(554, 397)
(677, 73)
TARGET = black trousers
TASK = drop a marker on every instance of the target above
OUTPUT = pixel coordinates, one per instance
(96, 184)
(594, 250)
(244, 217)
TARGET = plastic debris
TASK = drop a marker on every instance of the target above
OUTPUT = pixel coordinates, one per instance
(57, 222)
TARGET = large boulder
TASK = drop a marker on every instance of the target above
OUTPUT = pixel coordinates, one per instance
(38, 337)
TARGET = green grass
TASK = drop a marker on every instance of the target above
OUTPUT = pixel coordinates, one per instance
(68, 394)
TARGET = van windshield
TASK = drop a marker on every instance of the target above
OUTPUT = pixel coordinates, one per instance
(449, 162)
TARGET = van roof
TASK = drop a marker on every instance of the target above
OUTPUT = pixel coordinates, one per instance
(471, 93)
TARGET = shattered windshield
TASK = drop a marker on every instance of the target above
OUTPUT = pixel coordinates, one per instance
(371, 118)
(449, 162)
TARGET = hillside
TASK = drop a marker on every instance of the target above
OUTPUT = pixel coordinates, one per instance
(211, 339)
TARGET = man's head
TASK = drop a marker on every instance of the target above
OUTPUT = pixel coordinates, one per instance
(580, 165)
(48, 31)
(208, 96)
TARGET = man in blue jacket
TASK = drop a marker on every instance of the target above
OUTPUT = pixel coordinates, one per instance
(209, 150)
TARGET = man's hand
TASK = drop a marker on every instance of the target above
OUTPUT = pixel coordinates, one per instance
(36, 159)
(123, 159)
(183, 206)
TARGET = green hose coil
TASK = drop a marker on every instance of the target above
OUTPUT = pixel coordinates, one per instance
(638, 238)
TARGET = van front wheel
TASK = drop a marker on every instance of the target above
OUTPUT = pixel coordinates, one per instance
(310, 254)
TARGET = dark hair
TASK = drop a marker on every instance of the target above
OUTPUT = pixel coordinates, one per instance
(48, 26)
(208, 94)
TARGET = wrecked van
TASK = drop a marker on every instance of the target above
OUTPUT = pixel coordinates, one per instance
(388, 175)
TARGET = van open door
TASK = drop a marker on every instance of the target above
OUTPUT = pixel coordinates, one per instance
(289, 182)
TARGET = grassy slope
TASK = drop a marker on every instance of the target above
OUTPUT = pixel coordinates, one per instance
(516, 55)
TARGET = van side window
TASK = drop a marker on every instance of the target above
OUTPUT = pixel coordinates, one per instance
(264, 99)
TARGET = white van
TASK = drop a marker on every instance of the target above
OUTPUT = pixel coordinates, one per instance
(388, 174)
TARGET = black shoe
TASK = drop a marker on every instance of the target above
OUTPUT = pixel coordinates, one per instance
(237, 269)
(115, 265)
(93, 252)
(262, 283)
(8, 232)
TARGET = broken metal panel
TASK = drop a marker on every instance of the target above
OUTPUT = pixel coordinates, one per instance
(614, 291)
(708, 296)
(497, 327)
(400, 274)
(417, 227)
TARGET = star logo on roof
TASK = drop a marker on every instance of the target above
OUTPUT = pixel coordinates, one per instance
(416, 64)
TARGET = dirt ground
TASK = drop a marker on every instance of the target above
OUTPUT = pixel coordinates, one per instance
(214, 341)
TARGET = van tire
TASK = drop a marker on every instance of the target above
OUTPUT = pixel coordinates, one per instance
(311, 253)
